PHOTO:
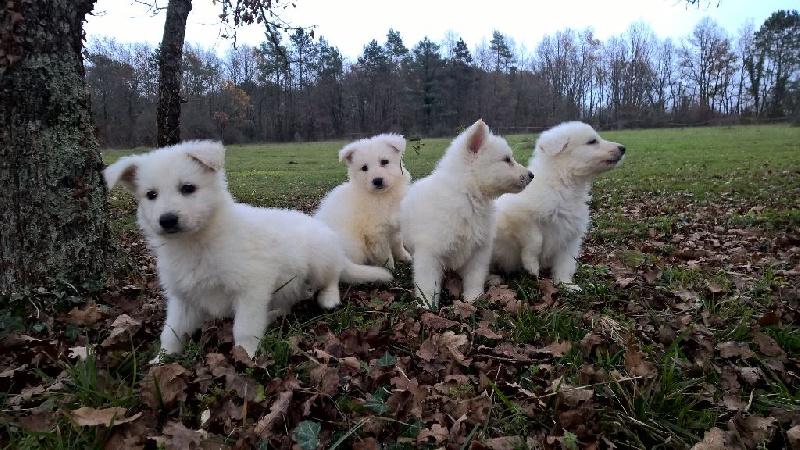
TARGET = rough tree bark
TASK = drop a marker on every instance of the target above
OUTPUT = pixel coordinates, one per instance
(53, 212)
(170, 59)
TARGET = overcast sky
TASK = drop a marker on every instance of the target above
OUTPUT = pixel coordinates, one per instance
(351, 24)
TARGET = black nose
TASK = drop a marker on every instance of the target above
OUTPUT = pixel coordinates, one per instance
(621, 148)
(377, 182)
(168, 221)
(530, 174)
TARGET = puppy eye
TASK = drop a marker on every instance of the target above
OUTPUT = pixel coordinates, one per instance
(151, 195)
(507, 159)
(384, 162)
(187, 189)
(593, 141)
(364, 168)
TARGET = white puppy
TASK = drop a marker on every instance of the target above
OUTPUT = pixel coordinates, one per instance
(544, 225)
(364, 210)
(447, 218)
(218, 258)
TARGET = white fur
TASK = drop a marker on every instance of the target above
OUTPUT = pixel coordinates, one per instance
(544, 225)
(447, 218)
(219, 258)
(364, 210)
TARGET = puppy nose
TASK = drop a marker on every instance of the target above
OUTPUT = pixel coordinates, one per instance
(621, 148)
(168, 221)
(377, 182)
(530, 174)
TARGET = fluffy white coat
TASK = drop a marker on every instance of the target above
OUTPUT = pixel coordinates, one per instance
(219, 258)
(447, 218)
(544, 225)
(364, 210)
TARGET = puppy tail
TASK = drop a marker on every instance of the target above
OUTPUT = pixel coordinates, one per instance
(359, 273)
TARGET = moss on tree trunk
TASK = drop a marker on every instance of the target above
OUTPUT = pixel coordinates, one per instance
(53, 211)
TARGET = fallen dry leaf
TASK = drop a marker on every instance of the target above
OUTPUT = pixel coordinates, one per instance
(732, 349)
(178, 437)
(88, 314)
(325, 379)
(276, 412)
(122, 329)
(715, 439)
(766, 344)
(635, 363)
(793, 436)
(164, 385)
(92, 417)
(433, 435)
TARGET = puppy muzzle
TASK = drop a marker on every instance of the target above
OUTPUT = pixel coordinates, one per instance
(170, 223)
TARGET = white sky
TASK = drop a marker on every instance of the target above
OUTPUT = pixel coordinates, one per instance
(351, 24)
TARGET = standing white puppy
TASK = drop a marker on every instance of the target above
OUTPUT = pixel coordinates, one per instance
(218, 258)
(544, 225)
(364, 210)
(447, 218)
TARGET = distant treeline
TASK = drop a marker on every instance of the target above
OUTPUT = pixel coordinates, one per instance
(303, 89)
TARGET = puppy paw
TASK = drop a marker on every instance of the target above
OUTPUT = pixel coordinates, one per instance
(494, 280)
(470, 297)
(328, 299)
(159, 358)
(572, 287)
(404, 256)
(250, 345)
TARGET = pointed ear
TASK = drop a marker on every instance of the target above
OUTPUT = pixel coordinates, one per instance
(396, 141)
(124, 172)
(476, 136)
(210, 154)
(346, 154)
(551, 144)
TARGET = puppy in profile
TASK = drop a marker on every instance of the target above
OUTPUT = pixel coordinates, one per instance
(447, 218)
(544, 225)
(364, 210)
(219, 258)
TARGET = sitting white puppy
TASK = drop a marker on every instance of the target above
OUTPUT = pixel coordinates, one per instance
(544, 225)
(218, 258)
(364, 210)
(447, 218)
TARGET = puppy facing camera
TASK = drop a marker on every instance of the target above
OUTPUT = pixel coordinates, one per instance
(364, 210)
(219, 258)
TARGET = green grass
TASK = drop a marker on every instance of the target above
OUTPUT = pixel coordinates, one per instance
(691, 246)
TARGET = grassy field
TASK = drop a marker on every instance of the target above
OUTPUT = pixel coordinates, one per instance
(685, 331)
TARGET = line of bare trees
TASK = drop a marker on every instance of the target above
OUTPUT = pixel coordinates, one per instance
(299, 88)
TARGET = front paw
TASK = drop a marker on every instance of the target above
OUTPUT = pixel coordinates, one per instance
(404, 256)
(532, 268)
(494, 280)
(158, 359)
(571, 287)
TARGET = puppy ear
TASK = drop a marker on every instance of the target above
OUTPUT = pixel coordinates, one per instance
(476, 136)
(124, 172)
(551, 144)
(396, 141)
(347, 152)
(210, 154)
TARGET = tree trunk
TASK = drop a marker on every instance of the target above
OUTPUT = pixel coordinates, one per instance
(53, 212)
(169, 79)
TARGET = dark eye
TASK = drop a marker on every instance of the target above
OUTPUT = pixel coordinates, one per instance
(151, 195)
(187, 189)
(507, 159)
(593, 141)
(364, 168)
